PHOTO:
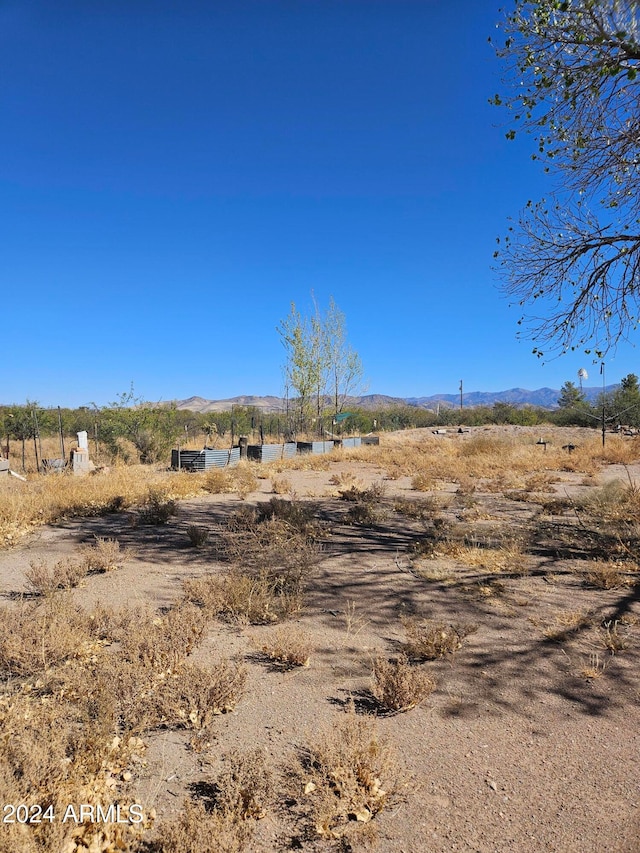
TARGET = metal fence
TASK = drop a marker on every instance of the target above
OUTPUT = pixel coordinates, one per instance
(351, 442)
(315, 446)
(271, 452)
(202, 460)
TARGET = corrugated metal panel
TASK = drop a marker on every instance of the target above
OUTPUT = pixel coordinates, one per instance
(371, 439)
(351, 442)
(321, 446)
(271, 452)
(202, 460)
(315, 446)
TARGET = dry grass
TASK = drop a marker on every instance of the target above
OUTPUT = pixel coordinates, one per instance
(196, 830)
(40, 579)
(508, 556)
(36, 636)
(46, 499)
(398, 686)
(430, 460)
(281, 485)
(198, 536)
(430, 640)
(105, 555)
(161, 641)
(612, 639)
(610, 574)
(566, 624)
(342, 780)
(288, 647)
(254, 598)
(595, 668)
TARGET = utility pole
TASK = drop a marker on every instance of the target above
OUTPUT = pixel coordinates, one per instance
(461, 395)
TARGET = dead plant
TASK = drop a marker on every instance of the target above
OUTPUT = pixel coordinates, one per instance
(157, 509)
(196, 830)
(611, 637)
(65, 574)
(430, 640)
(288, 647)
(104, 555)
(398, 686)
(35, 636)
(198, 536)
(341, 781)
(162, 641)
(280, 485)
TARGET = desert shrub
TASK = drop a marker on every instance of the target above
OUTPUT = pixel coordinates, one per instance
(288, 647)
(271, 549)
(196, 830)
(35, 636)
(58, 749)
(257, 598)
(280, 485)
(342, 780)
(345, 479)
(162, 641)
(399, 686)
(217, 481)
(104, 555)
(416, 509)
(431, 640)
(157, 509)
(186, 696)
(243, 787)
(245, 481)
(205, 592)
(365, 507)
(299, 516)
(608, 574)
(423, 482)
(611, 637)
(371, 495)
(65, 574)
(198, 536)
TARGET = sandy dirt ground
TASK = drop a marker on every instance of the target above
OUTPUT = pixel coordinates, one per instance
(515, 750)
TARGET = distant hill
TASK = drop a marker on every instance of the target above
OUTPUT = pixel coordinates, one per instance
(279, 404)
(545, 398)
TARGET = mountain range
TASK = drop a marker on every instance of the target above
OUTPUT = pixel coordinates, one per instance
(546, 398)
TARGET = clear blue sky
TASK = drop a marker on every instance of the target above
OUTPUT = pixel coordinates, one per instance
(174, 174)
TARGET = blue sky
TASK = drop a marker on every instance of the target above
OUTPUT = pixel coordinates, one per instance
(174, 174)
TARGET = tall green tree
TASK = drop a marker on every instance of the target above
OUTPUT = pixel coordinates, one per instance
(570, 396)
(626, 401)
(303, 365)
(571, 81)
(343, 365)
(320, 363)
